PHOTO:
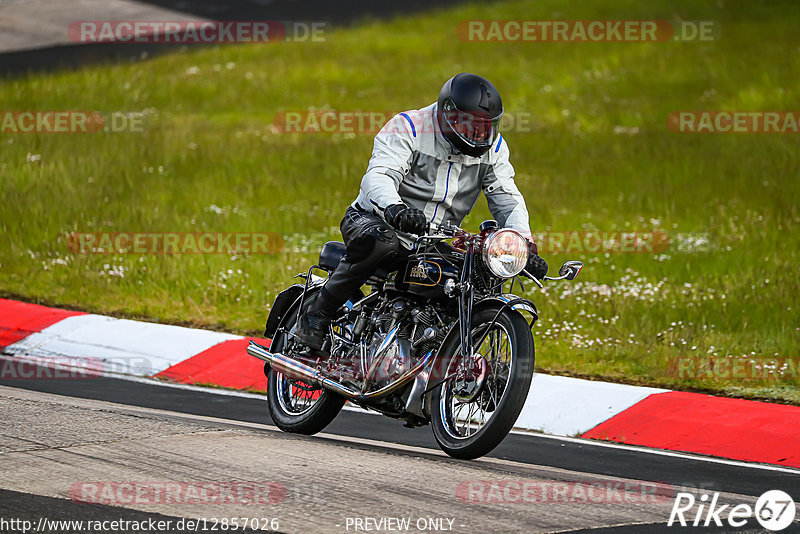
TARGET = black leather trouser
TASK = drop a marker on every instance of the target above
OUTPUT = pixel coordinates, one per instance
(371, 243)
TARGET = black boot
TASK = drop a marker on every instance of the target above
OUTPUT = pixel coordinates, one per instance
(315, 321)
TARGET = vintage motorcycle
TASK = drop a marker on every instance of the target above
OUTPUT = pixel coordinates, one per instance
(436, 340)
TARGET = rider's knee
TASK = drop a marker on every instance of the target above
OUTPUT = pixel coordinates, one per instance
(386, 244)
(374, 245)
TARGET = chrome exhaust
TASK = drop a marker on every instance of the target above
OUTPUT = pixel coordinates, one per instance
(298, 370)
(294, 369)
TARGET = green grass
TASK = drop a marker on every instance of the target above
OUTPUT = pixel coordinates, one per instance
(209, 142)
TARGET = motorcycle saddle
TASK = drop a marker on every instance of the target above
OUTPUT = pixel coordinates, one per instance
(331, 253)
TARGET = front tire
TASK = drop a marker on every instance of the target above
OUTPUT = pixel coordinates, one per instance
(295, 406)
(471, 417)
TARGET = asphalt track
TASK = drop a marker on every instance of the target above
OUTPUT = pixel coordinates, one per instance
(57, 432)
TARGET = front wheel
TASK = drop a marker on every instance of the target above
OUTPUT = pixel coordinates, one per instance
(476, 408)
(294, 405)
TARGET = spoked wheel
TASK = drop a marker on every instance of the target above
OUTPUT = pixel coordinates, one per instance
(296, 406)
(475, 409)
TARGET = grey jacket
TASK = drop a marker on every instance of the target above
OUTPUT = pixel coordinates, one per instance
(413, 163)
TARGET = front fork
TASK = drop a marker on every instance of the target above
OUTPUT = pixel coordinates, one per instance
(465, 300)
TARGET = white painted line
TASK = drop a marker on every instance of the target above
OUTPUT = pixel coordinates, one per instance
(190, 387)
(224, 391)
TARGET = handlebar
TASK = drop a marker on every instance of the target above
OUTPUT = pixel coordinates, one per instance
(568, 271)
(439, 231)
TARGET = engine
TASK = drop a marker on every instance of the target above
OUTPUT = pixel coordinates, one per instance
(386, 343)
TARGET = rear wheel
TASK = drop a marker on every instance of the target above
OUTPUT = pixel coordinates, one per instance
(474, 410)
(294, 405)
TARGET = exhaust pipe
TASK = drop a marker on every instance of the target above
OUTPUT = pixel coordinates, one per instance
(294, 369)
(298, 370)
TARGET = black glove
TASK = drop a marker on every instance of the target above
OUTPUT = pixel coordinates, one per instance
(536, 266)
(405, 219)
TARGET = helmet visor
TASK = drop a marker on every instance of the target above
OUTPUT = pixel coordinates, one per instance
(475, 128)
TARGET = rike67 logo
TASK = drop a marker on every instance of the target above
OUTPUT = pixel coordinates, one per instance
(774, 510)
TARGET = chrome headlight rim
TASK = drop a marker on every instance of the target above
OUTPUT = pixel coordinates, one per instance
(487, 244)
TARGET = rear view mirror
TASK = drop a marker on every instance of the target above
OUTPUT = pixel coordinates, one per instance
(570, 269)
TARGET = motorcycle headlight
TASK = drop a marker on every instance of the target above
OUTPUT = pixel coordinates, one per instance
(505, 253)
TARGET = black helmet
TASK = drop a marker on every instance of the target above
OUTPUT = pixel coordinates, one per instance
(469, 112)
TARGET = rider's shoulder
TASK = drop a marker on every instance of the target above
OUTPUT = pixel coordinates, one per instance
(499, 151)
(414, 121)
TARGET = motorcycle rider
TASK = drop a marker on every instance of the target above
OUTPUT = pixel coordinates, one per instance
(427, 166)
